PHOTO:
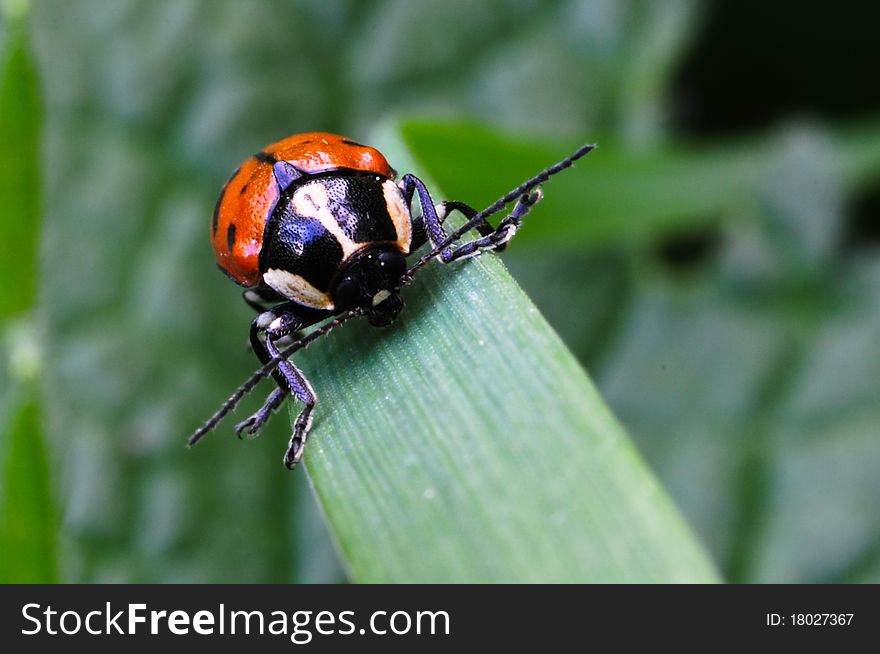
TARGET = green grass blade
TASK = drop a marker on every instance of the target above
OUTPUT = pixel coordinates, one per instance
(466, 444)
(28, 524)
(20, 115)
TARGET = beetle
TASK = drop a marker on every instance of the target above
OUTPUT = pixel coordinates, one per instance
(317, 228)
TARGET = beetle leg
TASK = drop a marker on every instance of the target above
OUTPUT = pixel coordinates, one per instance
(274, 324)
(302, 390)
(483, 227)
(254, 423)
(443, 209)
(431, 220)
(430, 224)
(498, 238)
(273, 361)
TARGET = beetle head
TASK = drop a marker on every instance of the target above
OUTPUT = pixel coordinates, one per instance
(370, 281)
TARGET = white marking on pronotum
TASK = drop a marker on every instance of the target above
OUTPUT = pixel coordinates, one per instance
(311, 200)
(399, 213)
(380, 297)
(296, 288)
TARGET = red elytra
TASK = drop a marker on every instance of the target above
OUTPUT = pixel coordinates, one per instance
(248, 198)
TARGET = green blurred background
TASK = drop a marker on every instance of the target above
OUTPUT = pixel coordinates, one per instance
(728, 307)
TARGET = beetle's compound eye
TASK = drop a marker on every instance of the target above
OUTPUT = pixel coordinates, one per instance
(347, 293)
(393, 264)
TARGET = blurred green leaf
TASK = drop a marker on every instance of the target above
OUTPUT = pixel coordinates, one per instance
(752, 385)
(616, 196)
(28, 520)
(611, 197)
(466, 444)
(859, 155)
(20, 120)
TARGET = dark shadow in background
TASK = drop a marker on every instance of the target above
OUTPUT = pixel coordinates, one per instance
(757, 63)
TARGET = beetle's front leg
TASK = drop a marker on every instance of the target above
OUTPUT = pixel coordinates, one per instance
(271, 325)
(252, 424)
(429, 226)
(433, 217)
(497, 240)
(297, 383)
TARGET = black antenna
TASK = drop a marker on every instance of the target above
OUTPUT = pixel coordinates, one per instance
(266, 370)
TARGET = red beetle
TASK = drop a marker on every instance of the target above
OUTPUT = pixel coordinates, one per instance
(317, 228)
